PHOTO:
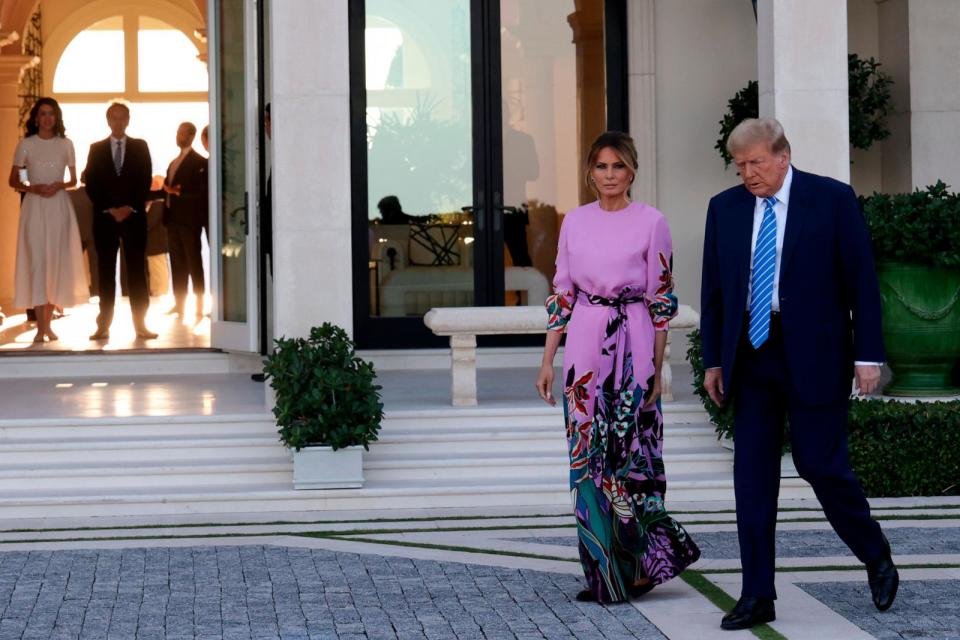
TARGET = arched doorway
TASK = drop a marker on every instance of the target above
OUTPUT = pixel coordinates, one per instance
(152, 55)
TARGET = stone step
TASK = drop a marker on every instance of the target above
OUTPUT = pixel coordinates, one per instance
(392, 497)
(64, 479)
(517, 438)
(519, 464)
(77, 429)
(150, 451)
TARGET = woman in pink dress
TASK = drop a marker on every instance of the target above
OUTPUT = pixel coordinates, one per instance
(613, 297)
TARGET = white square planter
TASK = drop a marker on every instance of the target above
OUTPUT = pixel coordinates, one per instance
(324, 468)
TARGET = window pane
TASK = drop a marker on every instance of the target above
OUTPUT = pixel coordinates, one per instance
(554, 106)
(233, 153)
(98, 47)
(168, 59)
(420, 145)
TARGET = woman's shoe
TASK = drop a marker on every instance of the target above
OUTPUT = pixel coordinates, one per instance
(586, 596)
(639, 590)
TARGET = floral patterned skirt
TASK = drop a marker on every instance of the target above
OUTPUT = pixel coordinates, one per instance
(617, 479)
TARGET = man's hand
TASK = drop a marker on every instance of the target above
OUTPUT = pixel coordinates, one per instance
(713, 381)
(120, 213)
(868, 377)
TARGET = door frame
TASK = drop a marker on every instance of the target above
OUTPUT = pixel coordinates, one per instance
(232, 335)
(487, 152)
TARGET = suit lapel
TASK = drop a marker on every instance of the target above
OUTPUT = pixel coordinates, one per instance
(742, 232)
(796, 215)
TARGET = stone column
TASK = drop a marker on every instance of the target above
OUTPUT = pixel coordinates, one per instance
(934, 84)
(802, 65)
(311, 166)
(10, 134)
(587, 25)
(641, 39)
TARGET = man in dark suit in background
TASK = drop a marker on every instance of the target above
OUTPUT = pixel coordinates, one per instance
(184, 216)
(117, 179)
(790, 313)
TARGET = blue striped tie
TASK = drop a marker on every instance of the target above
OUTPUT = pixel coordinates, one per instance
(761, 283)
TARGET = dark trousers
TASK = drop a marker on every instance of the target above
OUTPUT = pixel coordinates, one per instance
(107, 235)
(183, 242)
(764, 396)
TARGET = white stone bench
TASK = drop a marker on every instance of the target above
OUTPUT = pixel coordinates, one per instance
(464, 324)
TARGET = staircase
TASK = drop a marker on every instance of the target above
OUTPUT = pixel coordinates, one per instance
(442, 457)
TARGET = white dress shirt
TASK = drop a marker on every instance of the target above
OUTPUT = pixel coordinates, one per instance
(780, 211)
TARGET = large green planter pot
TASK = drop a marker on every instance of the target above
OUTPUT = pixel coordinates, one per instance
(921, 328)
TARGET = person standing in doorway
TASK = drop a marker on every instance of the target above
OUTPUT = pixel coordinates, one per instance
(613, 297)
(117, 178)
(185, 216)
(790, 314)
(49, 266)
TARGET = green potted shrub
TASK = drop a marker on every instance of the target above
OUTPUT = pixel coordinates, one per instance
(327, 406)
(916, 244)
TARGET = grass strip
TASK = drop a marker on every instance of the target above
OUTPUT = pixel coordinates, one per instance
(724, 601)
(316, 534)
(845, 567)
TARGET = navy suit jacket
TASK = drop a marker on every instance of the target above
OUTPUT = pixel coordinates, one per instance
(829, 297)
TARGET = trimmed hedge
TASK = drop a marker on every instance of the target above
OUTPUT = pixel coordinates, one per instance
(896, 448)
(902, 449)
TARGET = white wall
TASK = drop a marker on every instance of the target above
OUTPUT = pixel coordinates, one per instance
(706, 51)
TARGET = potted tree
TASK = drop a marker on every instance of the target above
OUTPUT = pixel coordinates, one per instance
(916, 243)
(327, 407)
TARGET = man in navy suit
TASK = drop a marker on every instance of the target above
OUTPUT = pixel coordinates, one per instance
(790, 313)
(117, 179)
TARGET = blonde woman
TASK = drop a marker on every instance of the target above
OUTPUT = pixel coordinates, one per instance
(613, 297)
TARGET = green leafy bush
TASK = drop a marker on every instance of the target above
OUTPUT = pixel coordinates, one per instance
(325, 394)
(869, 98)
(901, 449)
(720, 417)
(921, 228)
(896, 448)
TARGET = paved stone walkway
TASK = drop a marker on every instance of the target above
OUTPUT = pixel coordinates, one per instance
(238, 592)
(924, 609)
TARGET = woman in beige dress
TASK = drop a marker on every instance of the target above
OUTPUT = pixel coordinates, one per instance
(49, 269)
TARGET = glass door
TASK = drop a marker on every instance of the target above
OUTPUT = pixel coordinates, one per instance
(234, 162)
(419, 141)
(553, 92)
(469, 119)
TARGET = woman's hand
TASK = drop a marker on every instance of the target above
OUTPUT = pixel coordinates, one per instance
(46, 190)
(544, 384)
(654, 392)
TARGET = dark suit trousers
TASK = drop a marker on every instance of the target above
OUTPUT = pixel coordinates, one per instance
(183, 243)
(763, 397)
(107, 235)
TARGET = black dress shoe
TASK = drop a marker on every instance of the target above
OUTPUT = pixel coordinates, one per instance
(883, 579)
(749, 612)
